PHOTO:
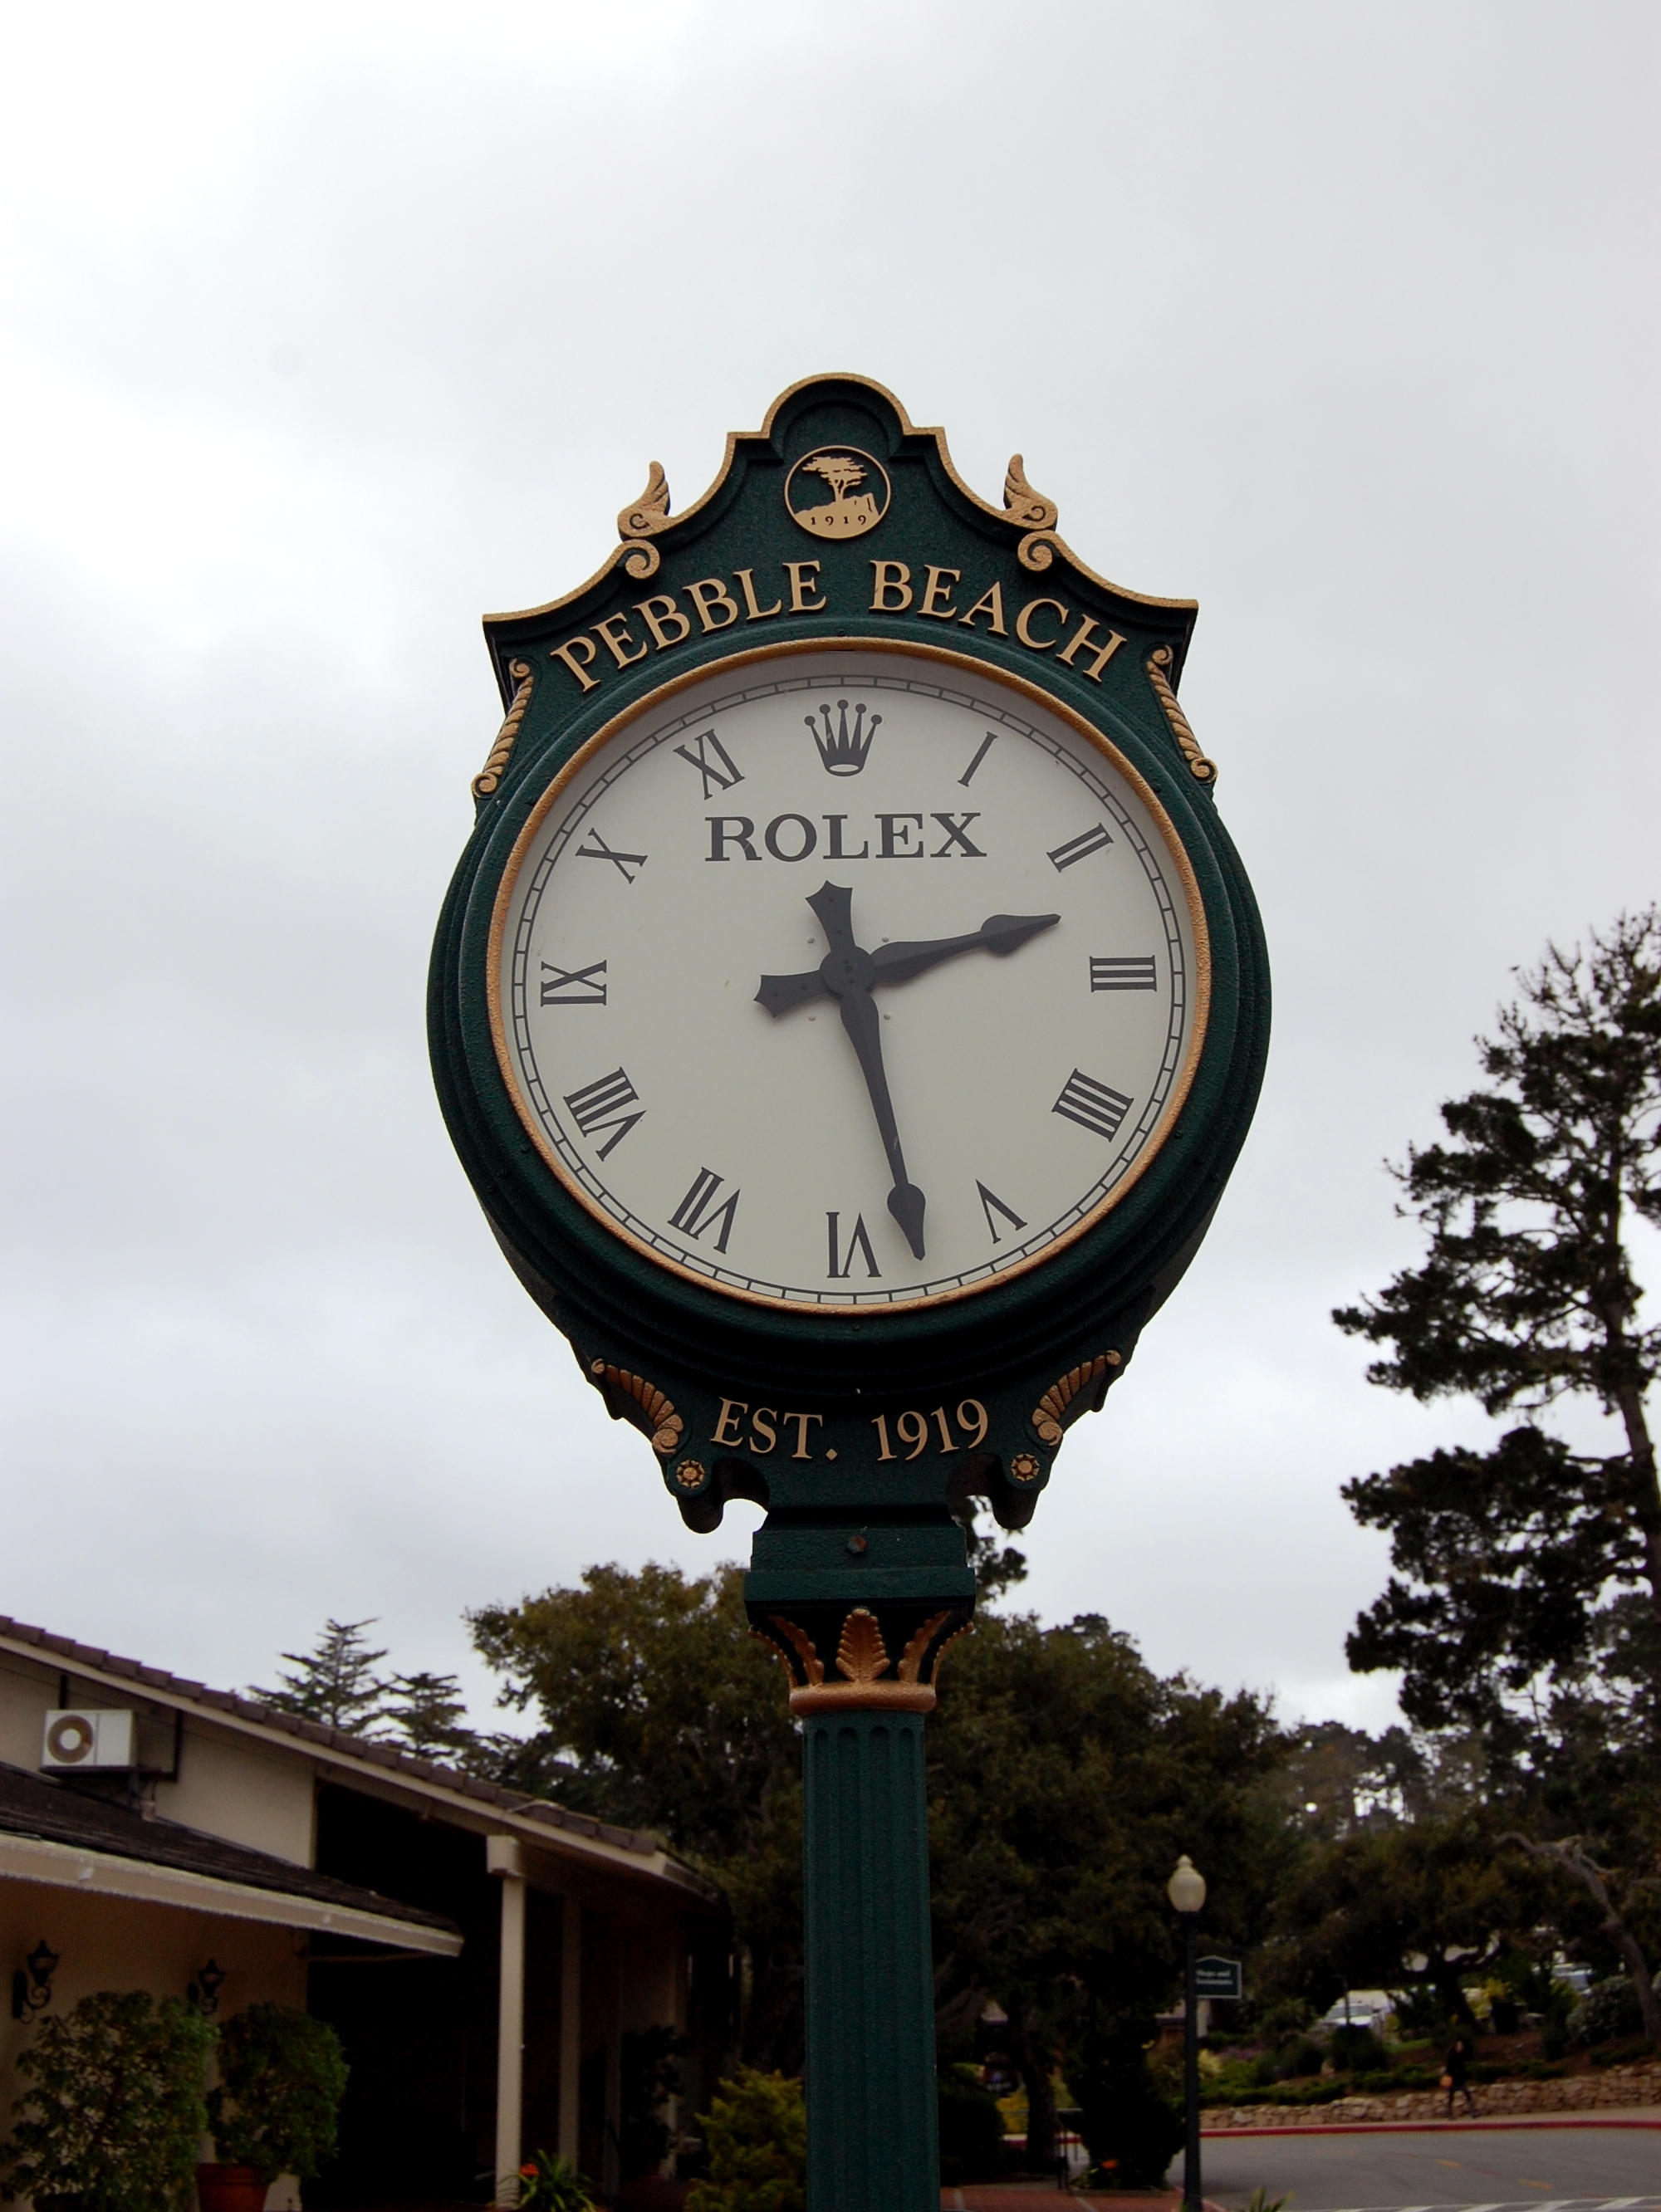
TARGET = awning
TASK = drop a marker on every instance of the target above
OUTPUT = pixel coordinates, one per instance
(105, 1874)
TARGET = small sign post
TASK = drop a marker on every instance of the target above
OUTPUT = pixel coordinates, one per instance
(1218, 1977)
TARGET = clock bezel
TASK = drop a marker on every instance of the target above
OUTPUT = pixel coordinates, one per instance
(630, 716)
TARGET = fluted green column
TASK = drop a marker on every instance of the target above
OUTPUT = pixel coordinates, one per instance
(860, 1612)
(871, 2100)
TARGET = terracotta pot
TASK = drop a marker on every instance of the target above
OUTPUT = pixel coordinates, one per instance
(230, 2189)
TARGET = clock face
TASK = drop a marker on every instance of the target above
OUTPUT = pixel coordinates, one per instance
(847, 978)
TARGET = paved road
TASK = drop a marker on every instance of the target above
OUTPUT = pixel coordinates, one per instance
(1440, 2170)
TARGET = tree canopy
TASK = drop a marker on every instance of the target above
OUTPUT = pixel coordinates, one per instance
(1526, 1600)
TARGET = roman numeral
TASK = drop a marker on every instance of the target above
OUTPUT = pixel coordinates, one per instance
(600, 1105)
(1092, 1105)
(991, 1204)
(718, 775)
(1081, 846)
(573, 986)
(628, 865)
(859, 1241)
(702, 1206)
(986, 743)
(1135, 974)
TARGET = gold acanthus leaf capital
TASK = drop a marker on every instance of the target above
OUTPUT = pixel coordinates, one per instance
(502, 751)
(910, 1667)
(1047, 1413)
(860, 1652)
(1028, 507)
(802, 1644)
(665, 1422)
(1201, 770)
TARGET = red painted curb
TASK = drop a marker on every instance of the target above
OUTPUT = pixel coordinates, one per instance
(1588, 2119)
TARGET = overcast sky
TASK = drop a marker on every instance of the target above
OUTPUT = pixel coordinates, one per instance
(326, 329)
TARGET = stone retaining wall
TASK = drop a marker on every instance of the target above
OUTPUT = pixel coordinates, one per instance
(1575, 2093)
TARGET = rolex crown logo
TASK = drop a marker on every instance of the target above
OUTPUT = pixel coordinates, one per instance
(843, 749)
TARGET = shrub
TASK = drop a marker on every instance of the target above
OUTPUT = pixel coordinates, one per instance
(1128, 2128)
(281, 2076)
(756, 2131)
(115, 2108)
(1355, 2048)
(1306, 2055)
(1285, 2018)
(971, 2128)
(1627, 2052)
(1609, 2010)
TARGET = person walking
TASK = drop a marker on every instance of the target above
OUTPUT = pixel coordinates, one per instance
(1455, 2074)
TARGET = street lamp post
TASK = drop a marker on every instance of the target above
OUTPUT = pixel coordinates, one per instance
(1186, 1890)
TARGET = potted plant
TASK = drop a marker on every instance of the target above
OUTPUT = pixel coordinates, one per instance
(548, 2184)
(114, 2107)
(276, 2108)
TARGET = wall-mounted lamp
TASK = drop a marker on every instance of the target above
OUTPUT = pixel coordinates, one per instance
(31, 1985)
(203, 1992)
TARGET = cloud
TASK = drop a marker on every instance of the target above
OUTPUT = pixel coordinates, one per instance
(324, 333)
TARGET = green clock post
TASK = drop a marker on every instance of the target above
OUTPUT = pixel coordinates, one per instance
(848, 1009)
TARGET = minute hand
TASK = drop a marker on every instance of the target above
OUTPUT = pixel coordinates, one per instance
(1000, 933)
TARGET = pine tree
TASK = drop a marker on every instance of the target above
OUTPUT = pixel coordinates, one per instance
(426, 1714)
(1527, 1600)
(335, 1682)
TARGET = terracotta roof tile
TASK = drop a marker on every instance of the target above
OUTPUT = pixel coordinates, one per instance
(36, 1805)
(343, 1742)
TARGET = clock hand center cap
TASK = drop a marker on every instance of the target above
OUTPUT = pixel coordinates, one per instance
(841, 972)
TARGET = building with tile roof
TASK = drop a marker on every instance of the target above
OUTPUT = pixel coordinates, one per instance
(489, 1958)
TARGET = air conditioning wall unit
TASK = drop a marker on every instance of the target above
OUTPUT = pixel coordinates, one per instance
(86, 1737)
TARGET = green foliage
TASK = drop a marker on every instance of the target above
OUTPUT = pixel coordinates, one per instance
(1520, 1562)
(1420, 1907)
(1064, 1779)
(338, 1683)
(1355, 2048)
(281, 2076)
(114, 2106)
(426, 1714)
(1631, 2050)
(1526, 1600)
(1130, 2129)
(1261, 2201)
(550, 2183)
(335, 1682)
(650, 2074)
(756, 2131)
(658, 1710)
(972, 2128)
(1609, 2008)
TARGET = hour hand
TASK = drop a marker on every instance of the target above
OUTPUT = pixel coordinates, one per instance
(1000, 933)
(778, 993)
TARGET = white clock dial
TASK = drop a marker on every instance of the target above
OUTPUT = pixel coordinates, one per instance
(980, 952)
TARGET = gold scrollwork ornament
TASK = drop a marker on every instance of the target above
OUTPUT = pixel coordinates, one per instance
(665, 1424)
(502, 751)
(1201, 770)
(640, 521)
(1047, 1413)
(1037, 515)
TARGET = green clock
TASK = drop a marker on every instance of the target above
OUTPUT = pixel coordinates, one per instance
(849, 1005)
